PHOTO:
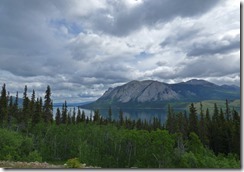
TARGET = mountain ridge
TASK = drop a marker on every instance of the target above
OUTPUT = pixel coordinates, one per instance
(152, 93)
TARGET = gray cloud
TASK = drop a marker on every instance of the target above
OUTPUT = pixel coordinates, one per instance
(222, 46)
(125, 20)
(181, 34)
(214, 66)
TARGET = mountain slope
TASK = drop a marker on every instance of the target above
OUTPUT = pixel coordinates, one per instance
(151, 93)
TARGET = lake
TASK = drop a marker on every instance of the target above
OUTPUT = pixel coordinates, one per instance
(133, 114)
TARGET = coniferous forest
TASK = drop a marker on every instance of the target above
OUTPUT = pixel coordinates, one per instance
(189, 139)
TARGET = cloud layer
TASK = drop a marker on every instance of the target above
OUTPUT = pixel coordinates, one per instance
(81, 48)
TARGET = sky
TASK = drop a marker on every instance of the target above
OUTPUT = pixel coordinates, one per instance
(81, 48)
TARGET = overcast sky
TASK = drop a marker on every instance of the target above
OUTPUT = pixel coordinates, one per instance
(81, 48)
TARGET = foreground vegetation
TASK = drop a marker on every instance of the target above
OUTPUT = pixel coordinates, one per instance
(187, 140)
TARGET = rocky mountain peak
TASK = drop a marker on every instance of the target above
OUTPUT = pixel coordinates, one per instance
(154, 93)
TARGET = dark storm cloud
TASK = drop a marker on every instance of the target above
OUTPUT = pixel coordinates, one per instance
(124, 20)
(222, 46)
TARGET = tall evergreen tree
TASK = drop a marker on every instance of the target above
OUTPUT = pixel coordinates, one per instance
(109, 114)
(48, 107)
(32, 103)
(3, 105)
(36, 117)
(74, 116)
(96, 116)
(83, 116)
(58, 117)
(186, 125)
(41, 109)
(25, 117)
(170, 122)
(64, 113)
(208, 126)
(215, 141)
(202, 127)
(181, 124)
(121, 117)
(236, 130)
(69, 120)
(32, 106)
(193, 122)
(227, 110)
(10, 111)
(221, 117)
(16, 108)
(78, 117)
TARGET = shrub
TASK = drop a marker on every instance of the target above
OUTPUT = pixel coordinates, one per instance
(9, 144)
(34, 156)
(73, 163)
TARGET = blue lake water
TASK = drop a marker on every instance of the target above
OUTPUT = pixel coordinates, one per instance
(133, 114)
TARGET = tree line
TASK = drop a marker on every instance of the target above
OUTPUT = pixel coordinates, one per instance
(189, 140)
(219, 131)
(32, 111)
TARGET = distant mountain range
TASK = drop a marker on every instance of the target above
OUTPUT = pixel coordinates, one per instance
(71, 104)
(150, 93)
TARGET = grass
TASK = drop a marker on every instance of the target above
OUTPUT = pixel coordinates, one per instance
(220, 104)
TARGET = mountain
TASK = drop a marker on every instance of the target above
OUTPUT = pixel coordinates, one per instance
(71, 104)
(151, 93)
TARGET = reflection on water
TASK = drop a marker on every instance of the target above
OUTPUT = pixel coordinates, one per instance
(132, 114)
(143, 114)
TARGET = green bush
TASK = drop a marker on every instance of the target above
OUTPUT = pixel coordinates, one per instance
(73, 163)
(9, 144)
(34, 156)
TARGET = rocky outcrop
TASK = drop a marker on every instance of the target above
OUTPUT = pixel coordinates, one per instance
(154, 93)
(145, 91)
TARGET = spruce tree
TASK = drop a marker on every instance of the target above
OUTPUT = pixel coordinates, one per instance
(36, 117)
(186, 125)
(121, 117)
(236, 133)
(193, 122)
(170, 122)
(3, 105)
(74, 116)
(48, 107)
(41, 109)
(83, 116)
(25, 117)
(10, 111)
(58, 117)
(96, 116)
(78, 117)
(208, 126)
(227, 110)
(216, 135)
(32, 103)
(109, 114)
(69, 120)
(181, 124)
(202, 130)
(64, 113)
(16, 108)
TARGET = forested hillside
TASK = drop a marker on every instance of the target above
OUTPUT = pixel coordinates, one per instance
(194, 139)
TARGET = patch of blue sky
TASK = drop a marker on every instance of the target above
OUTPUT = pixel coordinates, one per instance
(72, 27)
(143, 55)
